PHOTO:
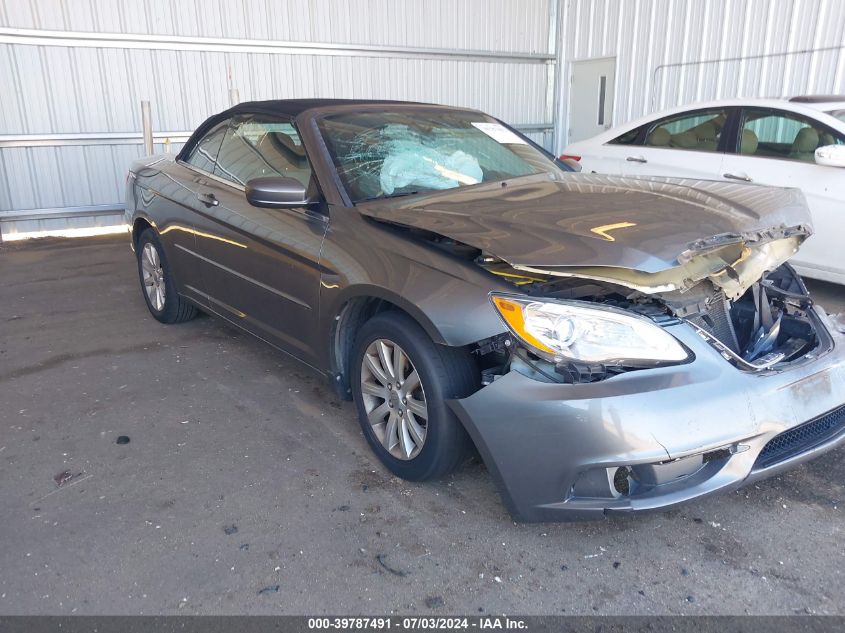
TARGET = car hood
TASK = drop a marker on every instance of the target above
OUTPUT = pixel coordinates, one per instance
(653, 234)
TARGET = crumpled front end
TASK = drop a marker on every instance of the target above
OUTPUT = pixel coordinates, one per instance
(731, 262)
(656, 344)
(643, 440)
(762, 386)
(768, 325)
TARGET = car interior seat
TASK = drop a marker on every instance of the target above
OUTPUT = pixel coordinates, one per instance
(748, 143)
(706, 136)
(805, 144)
(684, 140)
(284, 157)
(659, 137)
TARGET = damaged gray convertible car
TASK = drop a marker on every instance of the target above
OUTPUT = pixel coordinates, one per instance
(605, 344)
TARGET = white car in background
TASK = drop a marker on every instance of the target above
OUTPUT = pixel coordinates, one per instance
(798, 142)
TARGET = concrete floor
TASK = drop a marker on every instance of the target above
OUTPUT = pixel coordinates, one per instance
(247, 488)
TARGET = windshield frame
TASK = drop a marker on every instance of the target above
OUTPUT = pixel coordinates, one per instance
(317, 115)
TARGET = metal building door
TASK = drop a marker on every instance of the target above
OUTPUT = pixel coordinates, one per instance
(591, 93)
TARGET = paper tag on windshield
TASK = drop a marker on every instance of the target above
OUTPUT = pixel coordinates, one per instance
(499, 133)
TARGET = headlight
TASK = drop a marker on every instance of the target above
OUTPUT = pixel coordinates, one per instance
(579, 331)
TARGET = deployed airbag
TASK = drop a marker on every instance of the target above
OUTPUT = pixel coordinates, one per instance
(412, 164)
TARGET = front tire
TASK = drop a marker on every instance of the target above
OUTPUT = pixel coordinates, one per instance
(400, 382)
(157, 284)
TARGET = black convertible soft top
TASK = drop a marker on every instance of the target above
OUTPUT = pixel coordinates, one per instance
(288, 107)
(294, 107)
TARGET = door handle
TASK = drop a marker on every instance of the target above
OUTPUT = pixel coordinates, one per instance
(636, 159)
(208, 199)
(739, 176)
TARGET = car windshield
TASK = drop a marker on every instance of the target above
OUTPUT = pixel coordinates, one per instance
(381, 154)
(839, 114)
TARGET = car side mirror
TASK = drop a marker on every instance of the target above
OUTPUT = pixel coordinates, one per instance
(831, 155)
(276, 192)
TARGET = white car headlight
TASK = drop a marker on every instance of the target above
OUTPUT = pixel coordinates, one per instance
(579, 331)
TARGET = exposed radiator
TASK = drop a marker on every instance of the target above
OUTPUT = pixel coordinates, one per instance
(717, 321)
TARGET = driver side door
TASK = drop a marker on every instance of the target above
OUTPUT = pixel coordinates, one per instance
(261, 266)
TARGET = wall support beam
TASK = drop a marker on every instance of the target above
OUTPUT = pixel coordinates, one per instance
(75, 39)
(137, 138)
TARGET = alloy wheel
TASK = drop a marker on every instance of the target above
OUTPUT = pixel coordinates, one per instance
(153, 276)
(394, 399)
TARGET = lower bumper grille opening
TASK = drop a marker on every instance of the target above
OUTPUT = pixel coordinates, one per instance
(801, 438)
(621, 481)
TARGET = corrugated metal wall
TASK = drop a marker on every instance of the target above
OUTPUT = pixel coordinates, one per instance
(71, 84)
(483, 25)
(672, 52)
(81, 67)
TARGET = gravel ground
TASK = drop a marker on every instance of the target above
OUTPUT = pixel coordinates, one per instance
(246, 487)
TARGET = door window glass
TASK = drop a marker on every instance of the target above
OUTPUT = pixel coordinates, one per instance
(628, 138)
(839, 114)
(698, 131)
(205, 151)
(261, 146)
(776, 134)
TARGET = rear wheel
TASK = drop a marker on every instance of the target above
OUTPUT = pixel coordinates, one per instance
(157, 284)
(401, 380)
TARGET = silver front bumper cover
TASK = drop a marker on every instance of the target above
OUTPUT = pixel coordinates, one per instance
(538, 439)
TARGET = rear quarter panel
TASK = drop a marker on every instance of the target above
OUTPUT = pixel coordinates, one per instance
(161, 193)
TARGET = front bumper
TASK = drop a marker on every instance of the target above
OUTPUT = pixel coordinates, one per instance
(686, 431)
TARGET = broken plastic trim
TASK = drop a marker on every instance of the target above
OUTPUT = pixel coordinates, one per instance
(762, 364)
(731, 262)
